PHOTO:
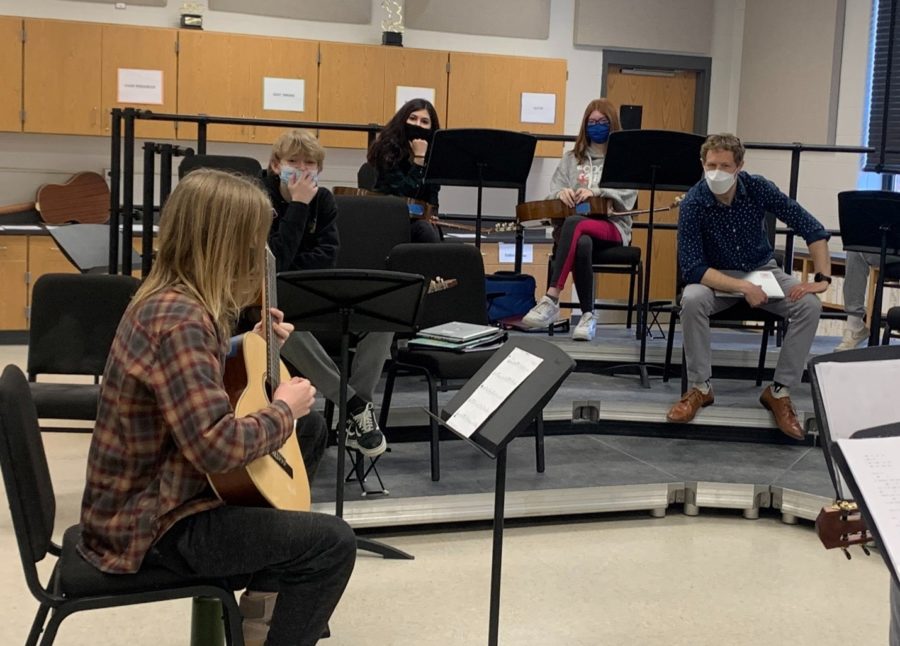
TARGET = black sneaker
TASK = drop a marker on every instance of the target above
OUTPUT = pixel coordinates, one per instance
(363, 433)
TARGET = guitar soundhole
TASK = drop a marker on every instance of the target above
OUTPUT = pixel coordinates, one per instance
(280, 461)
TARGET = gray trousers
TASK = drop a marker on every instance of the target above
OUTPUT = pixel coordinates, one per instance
(699, 302)
(856, 277)
(307, 355)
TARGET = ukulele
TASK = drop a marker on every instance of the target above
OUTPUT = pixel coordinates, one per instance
(593, 206)
(840, 524)
(420, 210)
(278, 479)
(83, 198)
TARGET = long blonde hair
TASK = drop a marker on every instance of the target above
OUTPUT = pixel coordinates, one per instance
(212, 237)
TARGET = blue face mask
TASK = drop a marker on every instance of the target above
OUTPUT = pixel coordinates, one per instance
(598, 133)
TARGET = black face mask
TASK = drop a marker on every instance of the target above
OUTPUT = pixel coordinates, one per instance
(418, 132)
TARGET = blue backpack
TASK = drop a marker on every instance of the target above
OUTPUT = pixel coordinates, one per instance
(509, 294)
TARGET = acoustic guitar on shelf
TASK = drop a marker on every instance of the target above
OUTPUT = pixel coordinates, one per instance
(595, 206)
(278, 479)
(421, 210)
(84, 198)
(841, 524)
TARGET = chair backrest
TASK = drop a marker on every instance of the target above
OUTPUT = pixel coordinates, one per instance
(243, 165)
(369, 227)
(467, 301)
(73, 321)
(366, 177)
(25, 473)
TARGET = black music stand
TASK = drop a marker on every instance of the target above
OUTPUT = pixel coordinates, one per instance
(870, 223)
(359, 301)
(661, 160)
(87, 247)
(482, 158)
(509, 420)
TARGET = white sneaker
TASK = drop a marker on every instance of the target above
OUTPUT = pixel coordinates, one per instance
(587, 326)
(852, 338)
(542, 314)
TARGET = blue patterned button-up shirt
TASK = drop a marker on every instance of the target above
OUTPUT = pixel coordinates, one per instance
(712, 234)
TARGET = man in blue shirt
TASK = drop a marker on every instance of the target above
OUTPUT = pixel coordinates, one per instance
(722, 228)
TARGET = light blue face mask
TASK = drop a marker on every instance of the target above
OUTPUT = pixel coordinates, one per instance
(288, 173)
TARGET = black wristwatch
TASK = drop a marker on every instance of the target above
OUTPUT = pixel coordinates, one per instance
(822, 278)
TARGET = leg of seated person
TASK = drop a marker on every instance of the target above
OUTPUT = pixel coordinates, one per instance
(803, 317)
(422, 231)
(372, 350)
(856, 277)
(312, 435)
(307, 558)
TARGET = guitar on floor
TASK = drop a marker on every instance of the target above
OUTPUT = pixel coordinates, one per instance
(278, 479)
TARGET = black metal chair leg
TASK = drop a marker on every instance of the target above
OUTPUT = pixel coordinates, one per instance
(328, 413)
(684, 378)
(435, 430)
(37, 626)
(763, 347)
(539, 441)
(630, 299)
(886, 337)
(670, 342)
(640, 328)
(386, 397)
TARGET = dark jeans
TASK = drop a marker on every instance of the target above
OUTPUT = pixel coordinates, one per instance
(306, 557)
(422, 231)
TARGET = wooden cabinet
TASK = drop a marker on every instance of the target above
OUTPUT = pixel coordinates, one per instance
(425, 68)
(10, 74)
(62, 77)
(351, 90)
(223, 75)
(139, 48)
(498, 83)
(14, 291)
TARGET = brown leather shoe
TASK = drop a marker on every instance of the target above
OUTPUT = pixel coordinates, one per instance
(691, 402)
(784, 413)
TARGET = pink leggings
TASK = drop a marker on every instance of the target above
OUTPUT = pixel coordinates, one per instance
(573, 229)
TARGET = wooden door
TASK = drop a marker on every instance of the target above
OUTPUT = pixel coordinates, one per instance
(10, 74)
(62, 77)
(423, 68)
(214, 79)
(351, 90)
(140, 48)
(14, 293)
(668, 104)
(282, 58)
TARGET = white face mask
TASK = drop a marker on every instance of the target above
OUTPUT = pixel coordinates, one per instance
(719, 181)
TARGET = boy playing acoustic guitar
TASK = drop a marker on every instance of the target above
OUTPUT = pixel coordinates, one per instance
(165, 421)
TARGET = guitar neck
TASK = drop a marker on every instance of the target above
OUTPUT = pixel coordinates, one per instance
(268, 301)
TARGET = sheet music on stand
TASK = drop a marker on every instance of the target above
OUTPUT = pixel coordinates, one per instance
(844, 385)
(872, 469)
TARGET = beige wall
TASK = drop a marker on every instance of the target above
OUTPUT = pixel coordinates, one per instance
(26, 161)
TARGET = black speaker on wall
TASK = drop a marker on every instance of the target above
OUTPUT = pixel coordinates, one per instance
(630, 116)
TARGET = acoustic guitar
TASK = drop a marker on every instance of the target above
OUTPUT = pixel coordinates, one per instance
(841, 525)
(83, 198)
(421, 210)
(593, 206)
(278, 479)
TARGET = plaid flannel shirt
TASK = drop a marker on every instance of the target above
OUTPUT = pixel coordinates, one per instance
(164, 421)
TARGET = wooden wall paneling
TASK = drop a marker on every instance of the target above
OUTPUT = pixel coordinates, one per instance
(62, 77)
(14, 295)
(415, 68)
(479, 91)
(143, 48)
(282, 58)
(214, 79)
(10, 74)
(351, 90)
(540, 75)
